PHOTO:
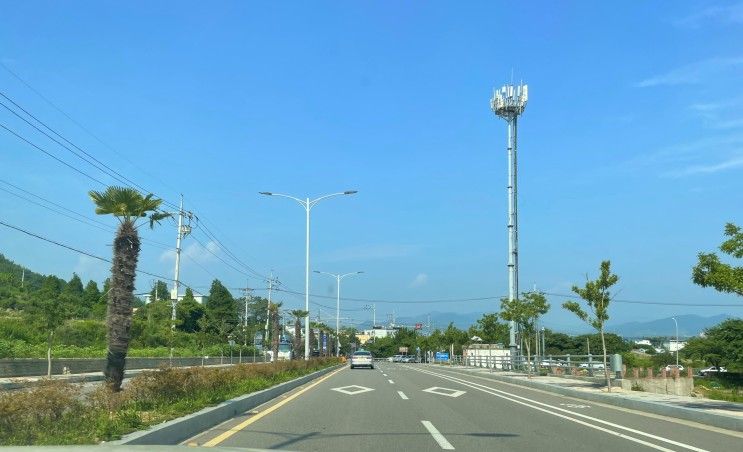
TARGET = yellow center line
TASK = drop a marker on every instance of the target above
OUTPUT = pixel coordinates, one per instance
(223, 436)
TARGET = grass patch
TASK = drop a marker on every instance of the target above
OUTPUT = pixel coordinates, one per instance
(56, 412)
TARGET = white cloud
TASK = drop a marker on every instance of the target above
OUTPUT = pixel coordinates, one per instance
(732, 163)
(89, 268)
(193, 251)
(420, 280)
(731, 14)
(698, 72)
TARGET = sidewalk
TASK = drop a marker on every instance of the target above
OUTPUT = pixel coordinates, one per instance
(719, 413)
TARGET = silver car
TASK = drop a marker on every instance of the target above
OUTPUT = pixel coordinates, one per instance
(362, 358)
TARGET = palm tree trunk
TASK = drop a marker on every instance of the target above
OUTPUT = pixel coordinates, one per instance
(312, 340)
(119, 317)
(276, 334)
(297, 337)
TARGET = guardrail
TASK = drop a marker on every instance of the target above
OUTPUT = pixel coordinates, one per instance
(584, 365)
(33, 367)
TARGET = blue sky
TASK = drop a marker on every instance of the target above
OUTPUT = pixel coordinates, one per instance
(631, 148)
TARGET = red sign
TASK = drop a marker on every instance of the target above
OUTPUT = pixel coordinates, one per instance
(418, 326)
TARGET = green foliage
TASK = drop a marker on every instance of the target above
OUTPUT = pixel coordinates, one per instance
(597, 297)
(724, 340)
(490, 330)
(160, 292)
(711, 272)
(221, 307)
(188, 313)
(60, 413)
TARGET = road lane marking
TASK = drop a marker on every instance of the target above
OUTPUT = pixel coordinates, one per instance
(402, 395)
(391, 382)
(225, 435)
(514, 397)
(444, 391)
(384, 375)
(446, 445)
(685, 422)
(352, 390)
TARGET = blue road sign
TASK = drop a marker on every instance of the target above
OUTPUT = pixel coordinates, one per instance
(442, 356)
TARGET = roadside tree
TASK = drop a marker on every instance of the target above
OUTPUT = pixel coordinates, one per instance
(128, 206)
(597, 298)
(524, 312)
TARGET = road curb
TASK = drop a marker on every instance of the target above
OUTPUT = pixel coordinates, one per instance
(177, 430)
(689, 414)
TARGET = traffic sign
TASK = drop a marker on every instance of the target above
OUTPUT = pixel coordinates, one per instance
(442, 356)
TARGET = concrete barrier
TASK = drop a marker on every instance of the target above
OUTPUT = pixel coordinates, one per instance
(33, 367)
(177, 430)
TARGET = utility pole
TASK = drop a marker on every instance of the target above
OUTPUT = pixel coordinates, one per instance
(248, 297)
(183, 230)
(509, 103)
(23, 277)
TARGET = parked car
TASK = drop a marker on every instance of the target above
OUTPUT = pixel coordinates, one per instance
(712, 370)
(599, 366)
(671, 367)
(397, 358)
(362, 358)
(407, 359)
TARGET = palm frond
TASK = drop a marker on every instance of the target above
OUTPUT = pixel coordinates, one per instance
(126, 203)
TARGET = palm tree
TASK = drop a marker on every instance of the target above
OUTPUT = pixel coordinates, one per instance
(298, 315)
(128, 206)
(275, 329)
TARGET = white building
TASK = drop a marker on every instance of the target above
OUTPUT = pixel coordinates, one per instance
(643, 342)
(198, 297)
(380, 332)
(673, 345)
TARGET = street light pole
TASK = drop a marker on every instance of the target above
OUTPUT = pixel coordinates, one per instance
(677, 341)
(338, 278)
(307, 204)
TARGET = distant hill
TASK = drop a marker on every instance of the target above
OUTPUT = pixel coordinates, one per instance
(689, 325)
(11, 274)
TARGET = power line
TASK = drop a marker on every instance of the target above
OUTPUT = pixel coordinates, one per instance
(81, 126)
(661, 303)
(52, 155)
(108, 170)
(80, 217)
(103, 259)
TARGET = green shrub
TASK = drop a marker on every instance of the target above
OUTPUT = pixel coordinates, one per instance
(60, 413)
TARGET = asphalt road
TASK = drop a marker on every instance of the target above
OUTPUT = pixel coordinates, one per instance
(414, 407)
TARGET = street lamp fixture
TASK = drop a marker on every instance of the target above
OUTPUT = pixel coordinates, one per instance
(307, 204)
(338, 278)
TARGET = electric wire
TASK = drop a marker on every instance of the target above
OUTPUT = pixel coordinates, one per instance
(86, 156)
(80, 217)
(85, 253)
(81, 126)
(51, 155)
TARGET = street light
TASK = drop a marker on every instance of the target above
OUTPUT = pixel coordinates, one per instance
(338, 306)
(677, 341)
(308, 204)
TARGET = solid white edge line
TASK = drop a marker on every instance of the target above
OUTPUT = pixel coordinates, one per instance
(446, 445)
(611, 424)
(402, 395)
(577, 421)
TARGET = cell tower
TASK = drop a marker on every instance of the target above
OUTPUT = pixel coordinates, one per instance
(508, 103)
